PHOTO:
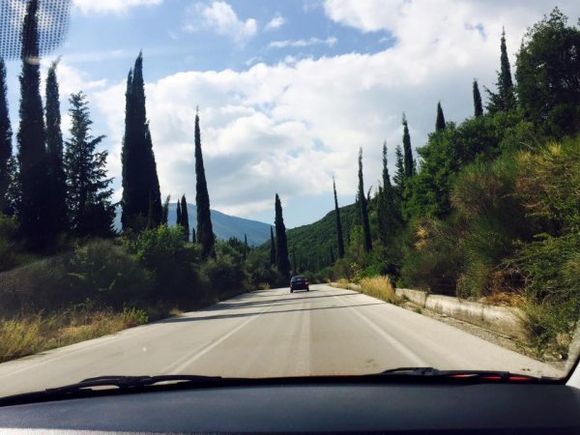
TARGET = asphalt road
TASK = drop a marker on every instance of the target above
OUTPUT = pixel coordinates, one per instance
(267, 333)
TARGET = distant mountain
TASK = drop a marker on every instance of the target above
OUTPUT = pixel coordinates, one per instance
(224, 226)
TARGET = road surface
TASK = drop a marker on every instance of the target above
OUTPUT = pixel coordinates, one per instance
(267, 333)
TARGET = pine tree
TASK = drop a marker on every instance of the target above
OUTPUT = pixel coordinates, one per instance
(5, 145)
(57, 213)
(282, 261)
(184, 218)
(165, 216)
(440, 122)
(204, 226)
(477, 106)
(272, 248)
(33, 173)
(504, 100)
(407, 150)
(140, 182)
(178, 213)
(339, 237)
(363, 206)
(88, 188)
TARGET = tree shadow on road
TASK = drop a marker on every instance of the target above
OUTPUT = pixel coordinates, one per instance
(258, 313)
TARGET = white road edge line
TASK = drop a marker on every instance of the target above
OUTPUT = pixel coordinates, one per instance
(193, 356)
(404, 350)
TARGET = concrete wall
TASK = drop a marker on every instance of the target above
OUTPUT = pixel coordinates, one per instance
(504, 320)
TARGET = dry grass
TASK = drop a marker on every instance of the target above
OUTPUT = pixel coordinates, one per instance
(342, 283)
(30, 334)
(505, 299)
(379, 287)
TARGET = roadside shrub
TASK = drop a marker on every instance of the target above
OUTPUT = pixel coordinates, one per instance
(379, 287)
(223, 276)
(8, 245)
(433, 257)
(106, 273)
(171, 261)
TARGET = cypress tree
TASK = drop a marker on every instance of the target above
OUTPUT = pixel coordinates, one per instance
(407, 150)
(505, 99)
(33, 174)
(184, 218)
(57, 212)
(5, 144)
(363, 206)
(193, 236)
(399, 177)
(88, 188)
(282, 261)
(272, 248)
(204, 226)
(440, 122)
(140, 182)
(339, 237)
(165, 216)
(178, 213)
(477, 106)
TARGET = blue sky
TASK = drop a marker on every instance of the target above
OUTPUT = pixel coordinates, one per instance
(288, 90)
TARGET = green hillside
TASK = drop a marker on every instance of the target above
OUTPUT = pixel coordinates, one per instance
(314, 245)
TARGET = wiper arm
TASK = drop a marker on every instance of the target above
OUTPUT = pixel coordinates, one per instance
(477, 375)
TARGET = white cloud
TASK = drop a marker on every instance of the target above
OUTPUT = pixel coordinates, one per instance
(275, 23)
(330, 42)
(220, 17)
(111, 6)
(288, 127)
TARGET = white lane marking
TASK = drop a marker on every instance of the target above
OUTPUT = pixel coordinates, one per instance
(193, 356)
(404, 350)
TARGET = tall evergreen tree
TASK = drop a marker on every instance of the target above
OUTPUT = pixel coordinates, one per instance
(88, 188)
(57, 213)
(33, 174)
(272, 248)
(184, 218)
(140, 182)
(504, 99)
(5, 144)
(282, 261)
(204, 226)
(178, 218)
(165, 216)
(193, 236)
(363, 206)
(440, 122)
(477, 105)
(339, 237)
(407, 150)
(246, 246)
(399, 177)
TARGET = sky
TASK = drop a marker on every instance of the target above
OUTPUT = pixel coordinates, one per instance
(288, 91)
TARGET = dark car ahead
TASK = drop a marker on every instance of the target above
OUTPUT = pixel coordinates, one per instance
(298, 282)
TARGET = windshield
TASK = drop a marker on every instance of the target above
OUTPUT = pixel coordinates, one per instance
(291, 188)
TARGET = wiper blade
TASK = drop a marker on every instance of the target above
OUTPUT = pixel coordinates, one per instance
(479, 375)
(128, 382)
(108, 384)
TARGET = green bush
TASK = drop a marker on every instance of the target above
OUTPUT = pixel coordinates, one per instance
(104, 272)
(432, 257)
(171, 261)
(224, 276)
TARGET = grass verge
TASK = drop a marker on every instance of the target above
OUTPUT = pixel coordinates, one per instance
(379, 287)
(28, 334)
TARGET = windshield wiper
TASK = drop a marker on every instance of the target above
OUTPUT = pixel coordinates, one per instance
(108, 384)
(476, 375)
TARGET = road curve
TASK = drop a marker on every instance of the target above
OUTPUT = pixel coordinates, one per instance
(268, 333)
